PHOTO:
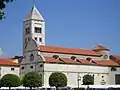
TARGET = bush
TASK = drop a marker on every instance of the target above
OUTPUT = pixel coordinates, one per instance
(10, 80)
(58, 79)
(88, 80)
(32, 79)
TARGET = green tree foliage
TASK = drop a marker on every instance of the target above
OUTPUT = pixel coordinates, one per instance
(32, 79)
(2, 6)
(58, 79)
(88, 80)
(10, 80)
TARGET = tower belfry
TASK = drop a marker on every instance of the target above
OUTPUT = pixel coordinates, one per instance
(34, 28)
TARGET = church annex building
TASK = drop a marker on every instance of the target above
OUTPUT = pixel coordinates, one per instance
(73, 62)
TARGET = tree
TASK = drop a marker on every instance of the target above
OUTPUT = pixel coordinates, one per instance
(10, 80)
(32, 79)
(2, 6)
(88, 80)
(58, 79)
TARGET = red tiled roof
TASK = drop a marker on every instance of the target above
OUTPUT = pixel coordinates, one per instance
(81, 62)
(106, 63)
(99, 47)
(54, 49)
(52, 60)
(69, 61)
(117, 57)
(87, 62)
(8, 62)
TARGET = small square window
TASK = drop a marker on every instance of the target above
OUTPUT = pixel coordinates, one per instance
(12, 69)
(22, 67)
(41, 65)
(36, 38)
(31, 66)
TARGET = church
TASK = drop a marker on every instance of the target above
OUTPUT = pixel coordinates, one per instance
(73, 62)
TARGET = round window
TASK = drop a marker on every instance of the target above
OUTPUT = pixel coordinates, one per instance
(105, 56)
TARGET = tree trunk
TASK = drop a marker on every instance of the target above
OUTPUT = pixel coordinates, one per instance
(30, 88)
(9, 88)
(56, 88)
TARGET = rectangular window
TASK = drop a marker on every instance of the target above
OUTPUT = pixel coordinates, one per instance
(37, 30)
(27, 30)
(12, 69)
(117, 79)
(40, 39)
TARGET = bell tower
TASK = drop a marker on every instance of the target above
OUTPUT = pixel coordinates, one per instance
(33, 28)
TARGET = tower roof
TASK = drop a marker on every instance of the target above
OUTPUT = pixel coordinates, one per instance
(34, 14)
(100, 47)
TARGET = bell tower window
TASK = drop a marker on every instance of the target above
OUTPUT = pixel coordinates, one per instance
(27, 30)
(37, 30)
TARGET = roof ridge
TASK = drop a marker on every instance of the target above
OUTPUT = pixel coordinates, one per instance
(66, 47)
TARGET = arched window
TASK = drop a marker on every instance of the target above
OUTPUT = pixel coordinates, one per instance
(89, 59)
(73, 57)
(55, 56)
(113, 69)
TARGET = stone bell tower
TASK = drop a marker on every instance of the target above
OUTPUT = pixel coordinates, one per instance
(33, 28)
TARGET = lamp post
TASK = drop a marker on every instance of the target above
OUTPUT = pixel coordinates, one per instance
(79, 79)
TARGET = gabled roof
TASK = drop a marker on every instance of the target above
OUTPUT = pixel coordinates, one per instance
(34, 14)
(63, 50)
(9, 62)
(100, 47)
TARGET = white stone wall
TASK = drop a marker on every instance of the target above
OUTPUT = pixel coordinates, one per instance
(7, 70)
(73, 71)
(112, 75)
(69, 56)
(40, 24)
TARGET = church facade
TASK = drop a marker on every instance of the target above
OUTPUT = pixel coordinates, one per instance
(73, 62)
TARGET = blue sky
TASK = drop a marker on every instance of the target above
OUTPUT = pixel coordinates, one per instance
(69, 23)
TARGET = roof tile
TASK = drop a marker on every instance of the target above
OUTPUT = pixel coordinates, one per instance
(8, 62)
(54, 49)
(82, 62)
(99, 47)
